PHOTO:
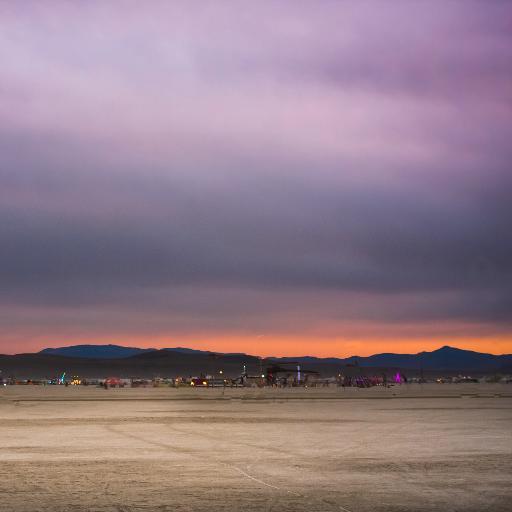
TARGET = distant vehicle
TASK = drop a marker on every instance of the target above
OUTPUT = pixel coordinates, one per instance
(462, 378)
(113, 382)
(140, 383)
(199, 382)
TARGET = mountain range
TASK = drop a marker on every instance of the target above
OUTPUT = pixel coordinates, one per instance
(105, 360)
(444, 358)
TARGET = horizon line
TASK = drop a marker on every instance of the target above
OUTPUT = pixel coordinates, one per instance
(248, 354)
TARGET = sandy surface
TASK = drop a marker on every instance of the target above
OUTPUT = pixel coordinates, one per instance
(413, 448)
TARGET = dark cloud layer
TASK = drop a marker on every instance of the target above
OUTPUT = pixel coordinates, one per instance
(293, 168)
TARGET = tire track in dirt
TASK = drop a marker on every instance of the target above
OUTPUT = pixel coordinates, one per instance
(199, 454)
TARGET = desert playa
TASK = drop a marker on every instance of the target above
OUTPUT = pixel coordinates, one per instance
(408, 448)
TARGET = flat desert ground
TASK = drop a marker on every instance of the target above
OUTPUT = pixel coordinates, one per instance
(409, 448)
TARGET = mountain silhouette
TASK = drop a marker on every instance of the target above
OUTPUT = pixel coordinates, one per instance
(104, 360)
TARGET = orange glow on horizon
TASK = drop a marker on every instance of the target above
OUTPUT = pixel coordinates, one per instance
(277, 345)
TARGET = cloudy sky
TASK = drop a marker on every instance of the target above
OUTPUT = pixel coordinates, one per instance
(275, 177)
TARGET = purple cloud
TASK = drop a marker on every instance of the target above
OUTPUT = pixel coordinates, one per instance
(346, 161)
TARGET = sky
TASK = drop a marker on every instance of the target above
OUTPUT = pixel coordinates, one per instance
(277, 177)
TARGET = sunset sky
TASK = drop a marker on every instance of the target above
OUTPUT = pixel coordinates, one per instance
(272, 177)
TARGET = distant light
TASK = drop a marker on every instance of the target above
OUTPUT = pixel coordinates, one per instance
(263, 376)
(220, 372)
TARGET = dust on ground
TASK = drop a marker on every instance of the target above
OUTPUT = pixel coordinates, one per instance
(408, 448)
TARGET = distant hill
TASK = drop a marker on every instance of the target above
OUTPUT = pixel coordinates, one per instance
(147, 364)
(445, 358)
(96, 351)
(184, 350)
(112, 351)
